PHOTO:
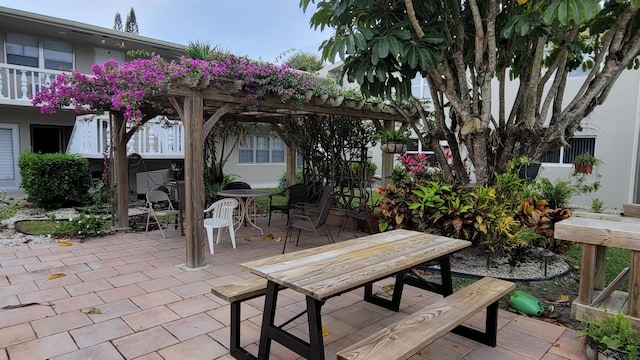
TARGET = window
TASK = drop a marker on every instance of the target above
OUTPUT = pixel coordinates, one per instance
(577, 146)
(261, 150)
(420, 88)
(30, 51)
(415, 146)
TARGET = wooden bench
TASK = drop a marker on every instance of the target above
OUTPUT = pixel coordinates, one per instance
(407, 337)
(235, 294)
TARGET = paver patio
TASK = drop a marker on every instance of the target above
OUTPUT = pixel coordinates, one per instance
(126, 296)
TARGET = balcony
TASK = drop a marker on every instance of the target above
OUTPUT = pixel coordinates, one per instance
(159, 138)
(18, 84)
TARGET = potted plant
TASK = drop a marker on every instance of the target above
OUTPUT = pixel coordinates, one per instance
(584, 163)
(354, 98)
(370, 169)
(527, 169)
(611, 338)
(394, 141)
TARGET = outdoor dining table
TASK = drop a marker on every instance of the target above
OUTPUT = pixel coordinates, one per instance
(246, 199)
(330, 270)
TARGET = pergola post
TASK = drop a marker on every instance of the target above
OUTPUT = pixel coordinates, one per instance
(193, 115)
(120, 170)
(291, 163)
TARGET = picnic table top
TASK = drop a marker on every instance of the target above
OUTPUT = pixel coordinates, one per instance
(328, 270)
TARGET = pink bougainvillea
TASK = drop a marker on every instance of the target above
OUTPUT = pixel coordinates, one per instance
(132, 88)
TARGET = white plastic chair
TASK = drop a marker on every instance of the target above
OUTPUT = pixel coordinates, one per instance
(153, 199)
(221, 217)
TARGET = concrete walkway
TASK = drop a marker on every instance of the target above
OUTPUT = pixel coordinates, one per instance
(126, 296)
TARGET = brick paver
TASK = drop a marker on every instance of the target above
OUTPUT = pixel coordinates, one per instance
(128, 296)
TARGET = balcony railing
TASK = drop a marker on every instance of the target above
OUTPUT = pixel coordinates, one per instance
(19, 83)
(158, 138)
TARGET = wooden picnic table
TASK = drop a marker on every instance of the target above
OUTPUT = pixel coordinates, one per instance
(330, 270)
(596, 232)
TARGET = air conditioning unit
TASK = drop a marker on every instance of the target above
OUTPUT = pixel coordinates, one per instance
(151, 180)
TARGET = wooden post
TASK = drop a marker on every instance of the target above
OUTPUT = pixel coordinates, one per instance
(194, 180)
(587, 272)
(120, 168)
(601, 266)
(633, 301)
(291, 163)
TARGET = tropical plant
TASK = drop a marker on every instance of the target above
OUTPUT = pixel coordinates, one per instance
(557, 194)
(393, 136)
(597, 205)
(353, 94)
(468, 50)
(584, 163)
(587, 159)
(612, 334)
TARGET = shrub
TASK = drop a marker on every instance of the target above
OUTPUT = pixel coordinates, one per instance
(52, 180)
(81, 227)
(558, 194)
(282, 181)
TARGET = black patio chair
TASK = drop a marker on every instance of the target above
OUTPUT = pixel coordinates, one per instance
(295, 193)
(312, 222)
(236, 185)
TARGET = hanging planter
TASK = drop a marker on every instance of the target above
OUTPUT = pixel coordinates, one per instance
(393, 141)
(321, 99)
(393, 147)
(336, 100)
(584, 163)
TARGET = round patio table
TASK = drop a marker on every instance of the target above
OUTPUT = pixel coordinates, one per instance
(246, 198)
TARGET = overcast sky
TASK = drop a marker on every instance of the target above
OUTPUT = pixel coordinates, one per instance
(261, 29)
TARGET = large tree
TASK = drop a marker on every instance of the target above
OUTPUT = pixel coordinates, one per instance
(465, 48)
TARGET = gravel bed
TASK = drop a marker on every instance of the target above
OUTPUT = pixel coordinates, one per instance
(468, 263)
(9, 237)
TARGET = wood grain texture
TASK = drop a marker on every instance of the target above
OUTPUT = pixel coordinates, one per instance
(328, 270)
(408, 336)
(631, 210)
(621, 232)
(241, 290)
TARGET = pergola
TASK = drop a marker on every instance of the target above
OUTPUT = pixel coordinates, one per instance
(199, 101)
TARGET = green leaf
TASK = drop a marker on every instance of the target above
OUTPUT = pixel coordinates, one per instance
(412, 57)
(368, 34)
(383, 47)
(394, 46)
(359, 41)
(507, 30)
(374, 54)
(563, 12)
(402, 34)
(424, 59)
(550, 13)
(381, 73)
(351, 45)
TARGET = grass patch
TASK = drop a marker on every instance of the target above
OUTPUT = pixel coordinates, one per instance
(617, 259)
(36, 227)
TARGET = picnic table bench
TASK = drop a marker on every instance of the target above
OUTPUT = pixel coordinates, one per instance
(408, 336)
